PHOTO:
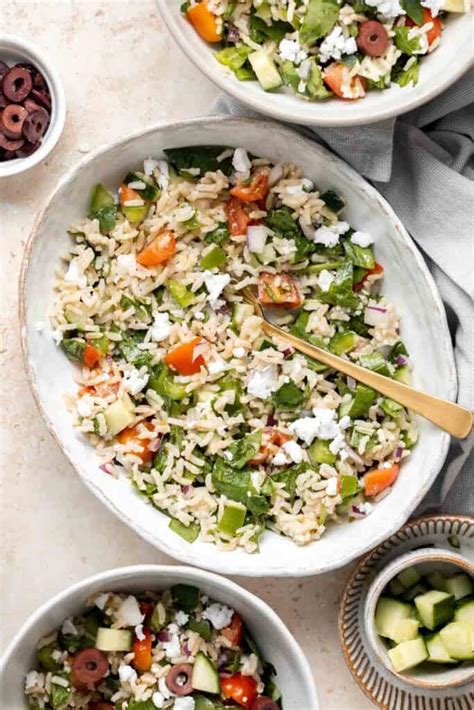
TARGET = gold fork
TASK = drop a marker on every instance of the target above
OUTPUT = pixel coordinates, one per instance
(454, 419)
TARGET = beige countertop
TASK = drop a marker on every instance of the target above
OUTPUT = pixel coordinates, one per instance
(121, 72)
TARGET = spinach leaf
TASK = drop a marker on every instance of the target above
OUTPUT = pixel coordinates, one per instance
(340, 291)
(129, 348)
(320, 18)
(163, 383)
(218, 235)
(403, 77)
(204, 158)
(288, 396)
(244, 449)
(397, 350)
(333, 201)
(288, 476)
(260, 31)
(359, 256)
(74, 348)
(405, 44)
(281, 221)
(237, 485)
(414, 10)
(141, 704)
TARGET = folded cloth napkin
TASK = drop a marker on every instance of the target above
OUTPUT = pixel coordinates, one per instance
(423, 164)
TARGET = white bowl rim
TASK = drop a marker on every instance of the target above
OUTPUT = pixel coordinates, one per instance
(226, 565)
(266, 106)
(58, 115)
(418, 556)
(193, 574)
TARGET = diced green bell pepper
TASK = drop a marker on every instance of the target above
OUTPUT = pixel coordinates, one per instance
(162, 381)
(213, 259)
(188, 532)
(319, 452)
(183, 296)
(349, 486)
(341, 343)
(185, 596)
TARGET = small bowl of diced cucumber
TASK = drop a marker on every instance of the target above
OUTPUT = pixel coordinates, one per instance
(419, 617)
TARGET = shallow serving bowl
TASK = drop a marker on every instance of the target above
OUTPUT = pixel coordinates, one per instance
(438, 71)
(426, 560)
(294, 676)
(407, 283)
(15, 49)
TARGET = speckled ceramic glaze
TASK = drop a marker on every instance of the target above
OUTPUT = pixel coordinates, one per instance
(408, 284)
(438, 71)
(294, 676)
(424, 542)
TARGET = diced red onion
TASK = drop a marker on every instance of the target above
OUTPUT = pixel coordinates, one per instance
(155, 444)
(357, 512)
(377, 308)
(164, 636)
(185, 489)
(271, 421)
(399, 452)
(233, 34)
(105, 468)
(186, 649)
(256, 237)
(288, 352)
(401, 360)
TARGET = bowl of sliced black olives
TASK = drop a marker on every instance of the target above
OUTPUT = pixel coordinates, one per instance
(32, 106)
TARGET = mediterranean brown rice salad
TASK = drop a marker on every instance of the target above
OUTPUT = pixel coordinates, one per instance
(323, 48)
(177, 649)
(179, 390)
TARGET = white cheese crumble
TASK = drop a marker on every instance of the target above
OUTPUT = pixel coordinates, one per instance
(181, 618)
(263, 382)
(139, 632)
(294, 451)
(129, 612)
(85, 406)
(325, 280)
(68, 628)
(215, 284)
(238, 352)
(336, 44)
(291, 50)
(158, 700)
(135, 380)
(219, 615)
(241, 161)
(216, 366)
(329, 236)
(34, 679)
(280, 459)
(362, 239)
(186, 703)
(75, 275)
(149, 165)
(387, 8)
(321, 426)
(172, 647)
(127, 674)
(161, 327)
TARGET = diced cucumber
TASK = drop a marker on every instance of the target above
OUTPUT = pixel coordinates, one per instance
(435, 608)
(240, 313)
(409, 577)
(113, 639)
(158, 618)
(319, 452)
(465, 613)
(188, 532)
(456, 6)
(437, 652)
(232, 518)
(413, 592)
(101, 197)
(403, 375)
(214, 258)
(341, 343)
(350, 486)
(119, 415)
(182, 295)
(437, 581)
(265, 69)
(408, 654)
(457, 638)
(396, 587)
(405, 630)
(185, 596)
(388, 614)
(135, 214)
(459, 585)
(205, 676)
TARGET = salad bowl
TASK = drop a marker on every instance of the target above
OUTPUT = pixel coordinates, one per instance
(407, 283)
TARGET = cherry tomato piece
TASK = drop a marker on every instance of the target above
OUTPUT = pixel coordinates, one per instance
(279, 290)
(241, 688)
(235, 631)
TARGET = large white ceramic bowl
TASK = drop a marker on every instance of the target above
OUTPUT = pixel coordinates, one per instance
(16, 49)
(294, 676)
(407, 283)
(438, 71)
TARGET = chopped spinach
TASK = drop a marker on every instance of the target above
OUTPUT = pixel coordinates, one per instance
(129, 348)
(359, 256)
(340, 291)
(218, 235)
(203, 158)
(333, 201)
(245, 449)
(288, 396)
(260, 31)
(319, 19)
(238, 485)
(414, 10)
(74, 348)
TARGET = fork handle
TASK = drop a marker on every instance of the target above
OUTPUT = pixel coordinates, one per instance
(447, 415)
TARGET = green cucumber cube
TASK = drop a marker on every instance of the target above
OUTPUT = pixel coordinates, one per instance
(437, 581)
(459, 585)
(435, 608)
(408, 654)
(232, 518)
(405, 630)
(113, 639)
(437, 652)
(465, 613)
(457, 638)
(205, 676)
(409, 577)
(388, 614)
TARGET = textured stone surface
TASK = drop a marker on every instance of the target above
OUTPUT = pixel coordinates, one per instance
(121, 72)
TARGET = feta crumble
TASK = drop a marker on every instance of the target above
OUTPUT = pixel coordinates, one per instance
(127, 674)
(263, 382)
(185, 703)
(433, 5)
(215, 284)
(294, 451)
(325, 280)
(181, 618)
(332, 486)
(362, 239)
(75, 275)
(241, 161)
(161, 327)
(387, 8)
(291, 50)
(135, 380)
(336, 44)
(129, 612)
(219, 615)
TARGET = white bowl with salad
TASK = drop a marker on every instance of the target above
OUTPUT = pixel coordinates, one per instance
(325, 62)
(268, 488)
(419, 616)
(149, 636)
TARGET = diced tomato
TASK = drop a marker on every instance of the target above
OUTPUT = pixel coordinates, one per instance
(91, 356)
(100, 705)
(272, 439)
(241, 688)
(379, 479)
(237, 217)
(256, 190)
(335, 75)
(378, 269)
(142, 652)
(102, 389)
(126, 194)
(279, 290)
(435, 32)
(183, 360)
(131, 433)
(235, 631)
(204, 22)
(159, 250)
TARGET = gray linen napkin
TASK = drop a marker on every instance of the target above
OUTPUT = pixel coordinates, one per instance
(423, 163)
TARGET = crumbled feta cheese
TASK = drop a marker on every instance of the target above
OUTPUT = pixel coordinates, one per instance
(127, 674)
(284, 247)
(181, 618)
(304, 69)
(336, 44)
(294, 451)
(68, 628)
(199, 315)
(129, 612)
(326, 236)
(362, 239)
(433, 5)
(139, 632)
(75, 275)
(322, 426)
(303, 185)
(238, 352)
(126, 264)
(332, 486)
(161, 327)
(387, 8)
(102, 600)
(241, 161)
(162, 174)
(215, 366)
(164, 690)
(337, 443)
(219, 615)
(215, 284)
(134, 380)
(325, 280)
(85, 406)
(291, 50)
(186, 703)
(172, 647)
(344, 422)
(34, 679)
(149, 165)
(263, 382)
(158, 700)
(280, 459)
